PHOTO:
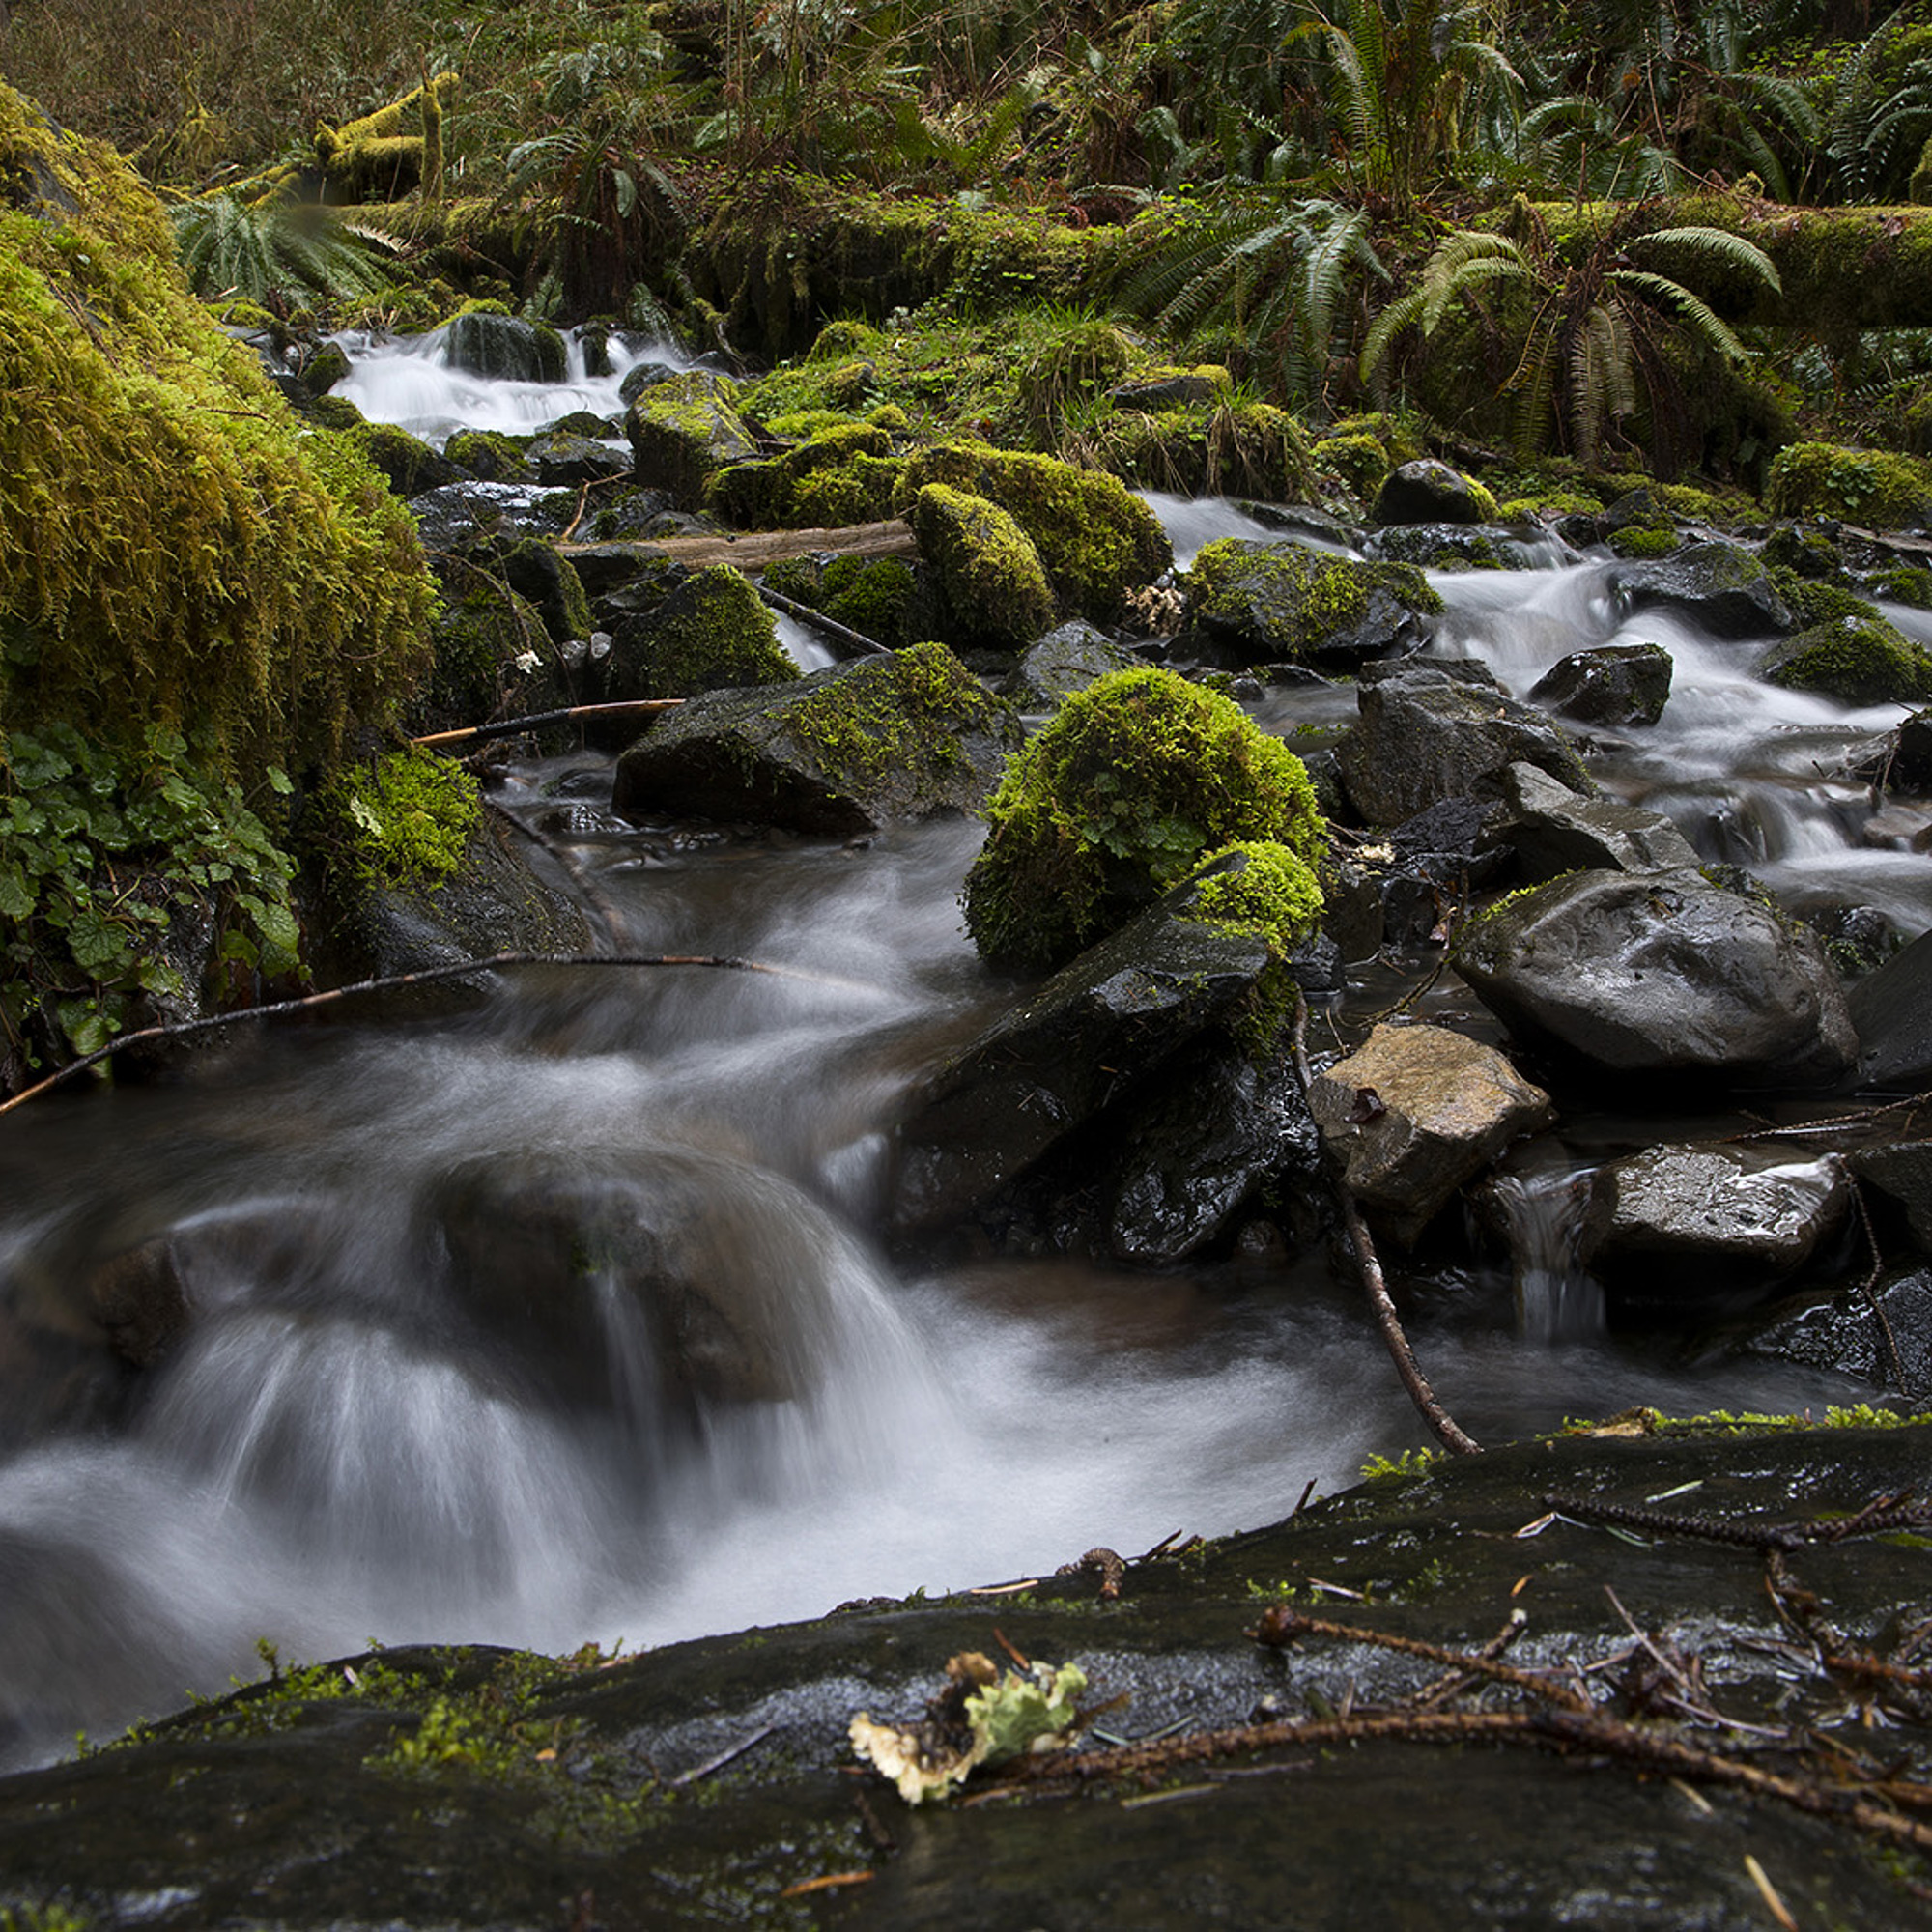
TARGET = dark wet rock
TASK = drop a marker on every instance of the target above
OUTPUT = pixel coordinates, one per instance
(1839, 1330)
(1257, 603)
(494, 657)
(1613, 685)
(683, 431)
(291, 1802)
(1067, 660)
(460, 512)
(507, 897)
(1902, 1172)
(1909, 766)
(559, 459)
(1415, 1112)
(1898, 825)
(849, 748)
(1074, 1047)
(677, 634)
(1445, 547)
(1858, 939)
(629, 1279)
(1661, 973)
(1552, 830)
(1713, 1210)
(506, 348)
(1440, 841)
(322, 368)
(1720, 587)
(641, 377)
(1429, 492)
(1893, 1011)
(1428, 734)
(606, 567)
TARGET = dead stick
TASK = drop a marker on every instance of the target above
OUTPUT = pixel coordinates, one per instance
(387, 983)
(1370, 1268)
(509, 727)
(842, 633)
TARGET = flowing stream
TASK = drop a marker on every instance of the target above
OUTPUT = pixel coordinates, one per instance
(366, 1432)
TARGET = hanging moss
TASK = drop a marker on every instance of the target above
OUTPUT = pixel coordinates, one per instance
(1113, 802)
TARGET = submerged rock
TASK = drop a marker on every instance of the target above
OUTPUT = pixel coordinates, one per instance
(1418, 1110)
(1614, 685)
(851, 748)
(1430, 730)
(1661, 973)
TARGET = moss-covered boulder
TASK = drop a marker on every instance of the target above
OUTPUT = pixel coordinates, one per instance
(1872, 487)
(1429, 492)
(488, 455)
(1095, 537)
(1115, 801)
(683, 431)
(988, 577)
(410, 466)
(495, 658)
(909, 734)
(845, 474)
(709, 631)
(1261, 603)
(1856, 660)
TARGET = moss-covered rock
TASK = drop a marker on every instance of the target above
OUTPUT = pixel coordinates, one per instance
(1258, 602)
(879, 597)
(495, 658)
(1260, 885)
(1115, 801)
(1095, 537)
(683, 431)
(410, 465)
(1872, 487)
(1429, 491)
(845, 474)
(1359, 460)
(504, 348)
(488, 455)
(990, 580)
(1856, 660)
(905, 735)
(712, 632)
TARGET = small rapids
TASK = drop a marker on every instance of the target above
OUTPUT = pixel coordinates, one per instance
(379, 1412)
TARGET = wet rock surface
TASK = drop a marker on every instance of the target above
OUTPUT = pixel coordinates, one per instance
(1614, 685)
(1551, 830)
(1720, 586)
(700, 1784)
(1661, 973)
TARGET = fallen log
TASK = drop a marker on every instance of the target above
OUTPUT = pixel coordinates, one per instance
(755, 549)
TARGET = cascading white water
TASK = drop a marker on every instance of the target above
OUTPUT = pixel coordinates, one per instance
(403, 1405)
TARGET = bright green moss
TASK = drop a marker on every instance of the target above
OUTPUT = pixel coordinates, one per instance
(1860, 486)
(843, 474)
(878, 597)
(713, 632)
(489, 454)
(1856, 660)
(1636, 541)
(1271, 892)
(989, 576)
(1225, 447)
(1095, 537)
(1113, 802)
(1294, 601)
(402, 821)
(1359, 461)
(683, 432)
(1817, 602)
(904, 714)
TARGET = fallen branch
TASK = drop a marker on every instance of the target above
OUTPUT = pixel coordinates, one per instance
(1884, 1516)
(838, 632)
(511, 727)
(389, 982)
(753, 552)
(1370, 1268)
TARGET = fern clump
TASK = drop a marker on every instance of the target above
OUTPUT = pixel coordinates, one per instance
(1115, 802)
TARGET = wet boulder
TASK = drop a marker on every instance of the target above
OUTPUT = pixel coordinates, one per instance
(684, 429)
(857, 746)
(407, 463)
(1260, 602)
(991, 585)
(1661, 973)
(1119, 1016)
(1067, 659)
(1552, 830)
(1856, 660)
(1720, 587)
(504, 348)
(1415, 1112)
(650, 1277)
(1429, 491)
(1901, 1171)
(681, 635)
(560, 459)
(1851, 1334)
(1717, 1210)
(1613, 685)
(1432, 730)
(1893, 1011)
(1445, 547)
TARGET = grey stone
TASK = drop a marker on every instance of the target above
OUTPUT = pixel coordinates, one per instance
(1893, 1011)
(1613, 685)
(1552, 830)
(1067, 660)
(1661, 972)
(1418, 1110)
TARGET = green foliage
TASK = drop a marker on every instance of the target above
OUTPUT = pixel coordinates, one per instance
(103, 852)
(294, 252)
(1113, 802)
(1410, 1463)
(404, 821)
(1598, 337)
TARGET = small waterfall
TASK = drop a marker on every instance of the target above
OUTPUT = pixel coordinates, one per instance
(1543, 1212)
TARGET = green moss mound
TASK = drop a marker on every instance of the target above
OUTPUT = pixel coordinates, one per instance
(1860, 486)
(1856, 660)
(1095, 537)
(403, 820)
(712, 632)
(989, 576)
(176, 548)
(843, 474)
(1283, 599)
(1115, 802)
(1263, 887)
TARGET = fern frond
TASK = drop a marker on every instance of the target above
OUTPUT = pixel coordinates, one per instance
(1704, 321)
(1716, 247)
